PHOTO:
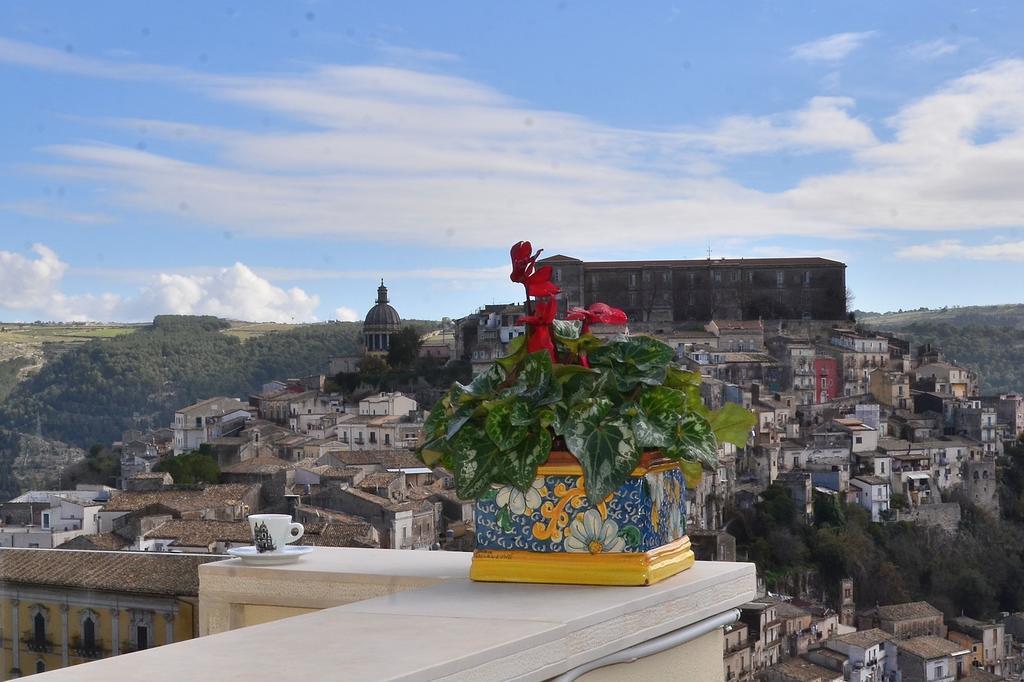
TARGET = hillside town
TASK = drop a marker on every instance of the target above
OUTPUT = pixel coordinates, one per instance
(843, 414)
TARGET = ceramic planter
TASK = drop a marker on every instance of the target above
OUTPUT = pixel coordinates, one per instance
(553, 534)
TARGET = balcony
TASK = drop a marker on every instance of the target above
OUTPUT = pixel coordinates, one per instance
(366, 614)
(33, 643)
(94, 650)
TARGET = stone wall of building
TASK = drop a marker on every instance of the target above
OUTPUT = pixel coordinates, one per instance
(946, 515)
(686, 290)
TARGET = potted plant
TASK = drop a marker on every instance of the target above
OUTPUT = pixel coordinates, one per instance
(578, 451)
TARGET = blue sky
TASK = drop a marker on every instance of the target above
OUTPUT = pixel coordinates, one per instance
(267, 160)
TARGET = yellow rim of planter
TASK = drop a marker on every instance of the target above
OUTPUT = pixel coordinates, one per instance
(615, 568)
(577, 470)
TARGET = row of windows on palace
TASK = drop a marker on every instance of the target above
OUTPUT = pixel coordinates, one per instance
(86, 644)
(716, 276)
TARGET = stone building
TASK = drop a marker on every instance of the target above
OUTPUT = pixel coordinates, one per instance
(980, 483)
(66, 607)
(903, 621)
(701, 290)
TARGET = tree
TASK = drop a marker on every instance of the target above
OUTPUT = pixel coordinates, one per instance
(191, 468)
(404, 348)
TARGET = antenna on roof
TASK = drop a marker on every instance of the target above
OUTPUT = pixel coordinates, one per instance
(709, 249)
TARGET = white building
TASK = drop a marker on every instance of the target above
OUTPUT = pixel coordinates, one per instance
(872, 494)
(866, 654)
(378, 433)
(207, 420)
(387, 405)
(59, 521)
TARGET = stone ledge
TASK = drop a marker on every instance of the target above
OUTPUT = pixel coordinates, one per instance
(329, 576)
(457, 629)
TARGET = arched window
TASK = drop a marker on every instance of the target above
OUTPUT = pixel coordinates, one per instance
(40, 666)
(89, 633)
(39, 628)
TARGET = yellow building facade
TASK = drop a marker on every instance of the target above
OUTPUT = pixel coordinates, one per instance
(66, 607)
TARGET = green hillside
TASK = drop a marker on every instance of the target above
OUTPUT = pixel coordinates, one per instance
(1010, 315)
(94, 391)
(987, 339)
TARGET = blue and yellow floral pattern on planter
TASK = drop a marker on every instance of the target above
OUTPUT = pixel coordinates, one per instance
(542, 534)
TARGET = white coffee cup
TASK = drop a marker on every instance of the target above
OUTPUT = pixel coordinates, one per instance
(271, 532)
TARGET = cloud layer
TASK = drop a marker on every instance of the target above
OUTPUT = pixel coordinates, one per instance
(34, 284)
(954, 248)
(398, 155)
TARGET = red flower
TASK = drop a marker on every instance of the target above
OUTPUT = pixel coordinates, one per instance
(525, 271)
(523, 261)
(538, 337)
(598, 313)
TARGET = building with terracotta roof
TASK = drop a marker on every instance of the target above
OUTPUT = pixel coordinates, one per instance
(903, 621)
(65, 607)
(931, 658)
(801, 670)
(227, 502)
(196, 536)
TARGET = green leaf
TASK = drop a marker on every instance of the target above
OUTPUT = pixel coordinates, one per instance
(638, 352)
(637, 360)
(535, 381)
(516, 353)
(567, 329)
(584, 344)
(563, 373)
(654, 416)
(692, 472)
(459, 418)
(732, 424)
(436, 425)
(475, 463)
(522, 415)
(648, 435)
(693, 440)
(663, 405)
(435, 451)
(681, 380)
(520, 465)
(486, 383)
(500, 427)
(604, 444)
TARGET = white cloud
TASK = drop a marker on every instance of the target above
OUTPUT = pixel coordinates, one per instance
(932, 49)
(235, 292)
(34, 285)
(833, 48)
(954, 248)
(344, 314)
(823, 124)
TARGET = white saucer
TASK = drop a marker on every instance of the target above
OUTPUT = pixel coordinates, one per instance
(288, 555)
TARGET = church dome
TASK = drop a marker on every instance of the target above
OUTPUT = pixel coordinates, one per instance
(382, 317)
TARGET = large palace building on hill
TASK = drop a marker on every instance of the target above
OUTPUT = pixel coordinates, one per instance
(700, 290)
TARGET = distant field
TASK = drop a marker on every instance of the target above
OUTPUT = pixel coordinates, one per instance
(35, 334)
(247, 330)
(1011, 315)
